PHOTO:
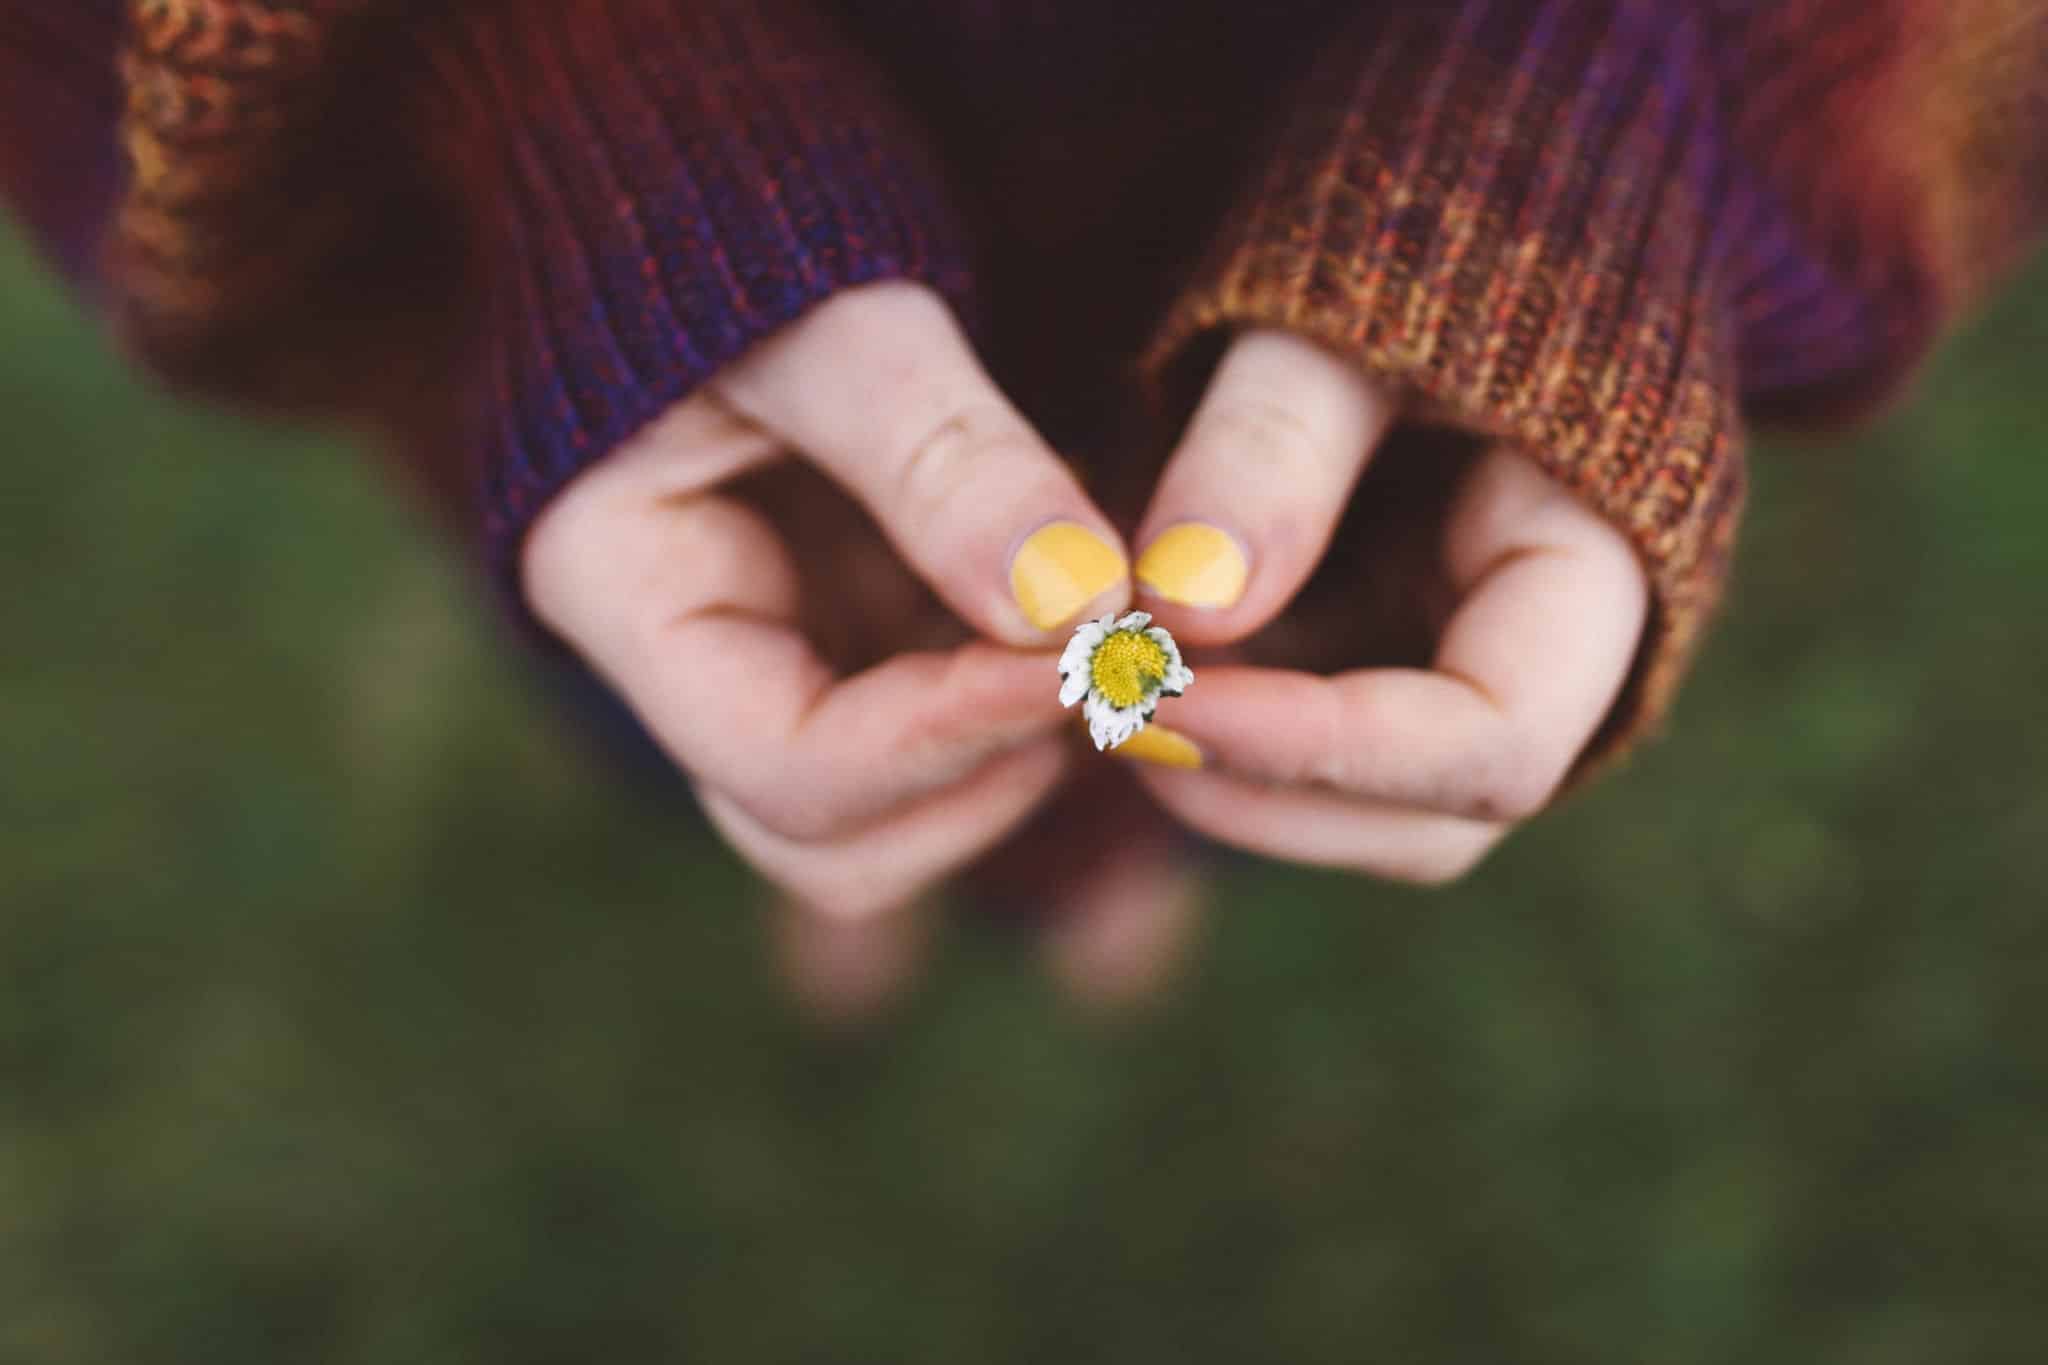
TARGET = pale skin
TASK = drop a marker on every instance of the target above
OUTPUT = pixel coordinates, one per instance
(857, 794)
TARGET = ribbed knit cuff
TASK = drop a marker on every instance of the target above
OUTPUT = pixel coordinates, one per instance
(1507, 212)
(660, 187)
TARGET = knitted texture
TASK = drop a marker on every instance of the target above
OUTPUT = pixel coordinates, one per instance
(509, 232)
(1590, 228)
(1512, 218)
(656, 188)
(640, 190)
(251, 196)
(1896, 160)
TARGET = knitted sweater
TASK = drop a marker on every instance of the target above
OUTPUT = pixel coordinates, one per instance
(509, 232)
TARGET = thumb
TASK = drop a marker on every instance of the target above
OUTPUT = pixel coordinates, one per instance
(879, 387)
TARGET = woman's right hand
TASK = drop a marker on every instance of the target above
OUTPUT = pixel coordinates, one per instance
(852, 793)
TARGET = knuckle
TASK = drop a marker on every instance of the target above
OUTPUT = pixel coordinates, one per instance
(1330, 757)
(1441, 863)
(1510, 797)
(1422, 872)
(798, 814)
(1264, 433)
(941, 462)
(853, 903)
(881, 310)
(555, 563)
(767, 832)
(786, 807)
(1512, 780)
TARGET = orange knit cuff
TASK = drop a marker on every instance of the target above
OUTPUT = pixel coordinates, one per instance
(1513, 228)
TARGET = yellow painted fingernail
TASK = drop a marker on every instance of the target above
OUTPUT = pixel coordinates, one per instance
(1157, 744)
(1196, 564)
(1061, 569)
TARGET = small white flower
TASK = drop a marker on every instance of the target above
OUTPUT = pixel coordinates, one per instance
(1121, 669)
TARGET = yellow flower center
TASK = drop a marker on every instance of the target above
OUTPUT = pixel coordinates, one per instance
(1128, 665)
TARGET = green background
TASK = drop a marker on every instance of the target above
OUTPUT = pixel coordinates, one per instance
(349, 1013)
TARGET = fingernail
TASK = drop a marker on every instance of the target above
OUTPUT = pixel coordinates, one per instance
(1196, 564)
(1159, 745)
(1060, 569)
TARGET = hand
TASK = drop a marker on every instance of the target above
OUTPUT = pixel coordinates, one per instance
(852, 793)
(1411, 774)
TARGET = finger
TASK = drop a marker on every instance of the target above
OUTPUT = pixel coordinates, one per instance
(695, 445)
(847, 971)
(888, 866)
(1394, 842)
(1123, 934)
(1529, 664)
(688, 608)
(881, 389)
(1246, 505)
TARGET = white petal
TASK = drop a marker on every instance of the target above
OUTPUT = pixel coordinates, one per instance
(1073, 687)
(1109, 725)
(1137, 620)
(1178, 675)
(1101, 717)
(1127, 726)
(1158, 636)
(1077, 655)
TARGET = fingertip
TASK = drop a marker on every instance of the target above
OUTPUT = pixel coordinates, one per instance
(1209, 587)
(1249, 499)
(1065, 572)
(1161, 747)
(1195, 564)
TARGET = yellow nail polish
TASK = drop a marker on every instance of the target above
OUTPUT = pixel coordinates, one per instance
(1157, 744)
(1060, 569)
(1196, 564)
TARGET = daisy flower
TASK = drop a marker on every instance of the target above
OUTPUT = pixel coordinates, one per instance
(1122, 670)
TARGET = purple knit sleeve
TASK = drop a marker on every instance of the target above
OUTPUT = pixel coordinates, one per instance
(656, 188)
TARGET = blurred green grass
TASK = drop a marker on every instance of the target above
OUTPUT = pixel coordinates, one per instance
(348, 1013)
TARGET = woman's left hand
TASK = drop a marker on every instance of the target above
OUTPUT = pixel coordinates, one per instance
(1412, 774)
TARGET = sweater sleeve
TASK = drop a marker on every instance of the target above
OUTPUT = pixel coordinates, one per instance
(60, 101)
(507, 233)
(1609, 232)
(659, 187)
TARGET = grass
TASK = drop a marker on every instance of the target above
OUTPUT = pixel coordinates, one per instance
(348, 1013)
